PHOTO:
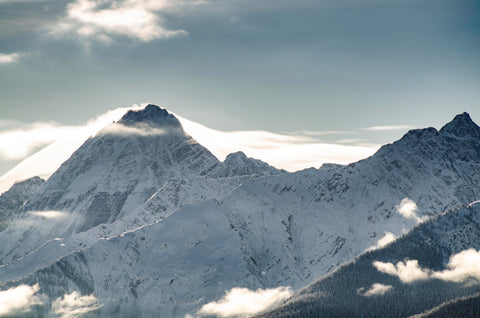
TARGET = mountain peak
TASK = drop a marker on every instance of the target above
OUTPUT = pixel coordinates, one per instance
(461, 126)
(151, 114)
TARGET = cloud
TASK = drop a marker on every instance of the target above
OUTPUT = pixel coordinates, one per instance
(391, 127)
(9, 58)
(286, 151)
(242, 302)
(74, 305)
(376, 289)
(20, 142)
(68, 139)
(48, 214)
(292, 152)
(136, 19)
(138, 129)
(407, 272)
(407, 209)
(462, 267)
(388, 238)
(19, 299)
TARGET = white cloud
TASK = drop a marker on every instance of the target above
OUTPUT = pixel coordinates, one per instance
(242, 302)
(48, 214)
(462, 267)
(74, 305)
(20, 142)
(391, 127)
(68, 139)
(287, 151)
(407, 272)
(407, 209)
(138, 129)
(388, 238)
(19, 299)
(136, 19)
(376, 289)
(9, 58)
(290, 152)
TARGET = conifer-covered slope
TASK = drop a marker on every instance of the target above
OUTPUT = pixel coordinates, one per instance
(285, 230)
(435, 263)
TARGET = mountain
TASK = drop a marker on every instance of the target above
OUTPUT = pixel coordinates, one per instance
(113, 174)
(466, 307)
(203, 233)
(12, 200)
(434, 263)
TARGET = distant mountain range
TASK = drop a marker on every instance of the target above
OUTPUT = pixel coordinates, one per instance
(151, 224)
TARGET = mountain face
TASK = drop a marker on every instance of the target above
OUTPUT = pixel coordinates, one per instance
(427, 276)
(114, 173)
(211, 226)
(12, 200)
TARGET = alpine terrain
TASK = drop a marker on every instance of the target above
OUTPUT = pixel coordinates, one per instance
(148, 223)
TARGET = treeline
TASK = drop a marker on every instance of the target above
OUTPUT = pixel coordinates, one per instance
(342, 293)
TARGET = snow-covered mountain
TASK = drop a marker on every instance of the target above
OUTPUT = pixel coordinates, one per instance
(125, 167)
(437, 262)
(12, 200)
(209, 226)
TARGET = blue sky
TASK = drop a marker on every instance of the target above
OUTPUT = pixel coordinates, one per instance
(282, 66)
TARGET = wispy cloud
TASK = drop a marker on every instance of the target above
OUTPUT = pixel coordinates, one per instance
(376, 290)
(67, 139)
(243, 302)
(20, 299)
(462, 267)
(288, 151)
(48, 214)
(9, 58)
(74, 305)
(389, 127)
(136, 19)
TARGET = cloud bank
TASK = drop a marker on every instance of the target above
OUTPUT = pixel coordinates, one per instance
(290, 152)
(462, 267)
(376, 290)
(242, 302)
(19, 299)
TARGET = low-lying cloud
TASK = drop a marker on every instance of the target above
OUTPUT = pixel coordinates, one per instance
(407, 272)
(20, 299)
(48, 214)
(376, 290)
(408, 208)
(74, 305)
(138, 129)
(291, 152)
(243, 302)
(462, 267)
(388, 238)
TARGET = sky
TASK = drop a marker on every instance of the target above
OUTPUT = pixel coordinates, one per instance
(323, 71)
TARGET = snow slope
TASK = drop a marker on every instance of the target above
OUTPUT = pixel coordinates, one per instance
(284, 230)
